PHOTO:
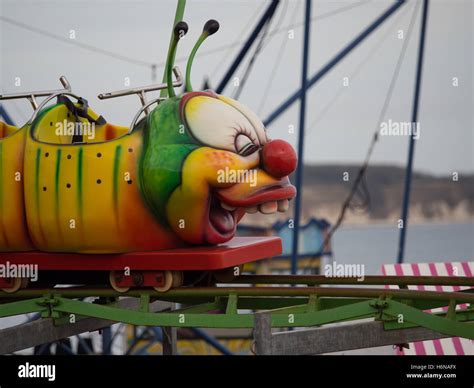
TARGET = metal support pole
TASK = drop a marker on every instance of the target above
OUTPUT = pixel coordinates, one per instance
(106, 340)
(411, 147)
(170, 341)
(248, 44)
(334, 61)
(263, 333)
(299, 170)
(170, 338)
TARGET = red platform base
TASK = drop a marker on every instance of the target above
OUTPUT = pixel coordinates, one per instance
(239, 250)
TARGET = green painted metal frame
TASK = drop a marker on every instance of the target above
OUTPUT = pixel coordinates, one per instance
(218, 307)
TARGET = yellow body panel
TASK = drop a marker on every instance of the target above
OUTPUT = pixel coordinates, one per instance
(13, 230)
(85, 197)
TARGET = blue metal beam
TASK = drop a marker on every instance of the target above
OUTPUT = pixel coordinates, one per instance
(211, 341)
(247, 45)
(6, 116)
(158, 336)
(106, 340)
(411, 147)
(334, 61)
(299, 169)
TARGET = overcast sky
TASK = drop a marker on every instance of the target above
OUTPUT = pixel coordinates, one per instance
(340, 120)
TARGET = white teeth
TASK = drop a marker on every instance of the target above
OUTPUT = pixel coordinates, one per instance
(268, 208)
(251, 210)
(227, 207)
(283, 205)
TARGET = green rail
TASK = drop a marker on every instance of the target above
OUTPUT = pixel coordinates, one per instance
(221, 307)
(367, 280)
(191, 293)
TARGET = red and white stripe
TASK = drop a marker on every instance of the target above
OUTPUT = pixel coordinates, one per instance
(445, 346)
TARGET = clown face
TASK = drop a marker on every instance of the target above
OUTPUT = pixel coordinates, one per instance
(207, 161)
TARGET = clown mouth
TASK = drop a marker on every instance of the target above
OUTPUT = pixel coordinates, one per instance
(225, 211)
(222, 222)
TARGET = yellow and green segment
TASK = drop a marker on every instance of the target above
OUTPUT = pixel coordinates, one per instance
(73, 197)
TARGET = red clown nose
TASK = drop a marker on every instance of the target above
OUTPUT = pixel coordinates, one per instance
(279, 158)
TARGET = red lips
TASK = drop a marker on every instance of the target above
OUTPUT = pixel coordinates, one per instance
(280, 190)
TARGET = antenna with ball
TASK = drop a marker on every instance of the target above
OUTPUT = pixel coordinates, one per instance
(211, 27)
(180, 29)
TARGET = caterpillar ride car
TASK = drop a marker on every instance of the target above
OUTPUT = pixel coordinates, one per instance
(155, 204)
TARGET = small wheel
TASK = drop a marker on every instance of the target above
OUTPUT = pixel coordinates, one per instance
(17, 284)
(113, 278)
(168, 282)
(178, 278)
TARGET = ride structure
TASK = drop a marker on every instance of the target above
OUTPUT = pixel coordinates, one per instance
(404, 315)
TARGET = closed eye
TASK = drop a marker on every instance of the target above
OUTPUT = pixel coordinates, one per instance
(244, 145)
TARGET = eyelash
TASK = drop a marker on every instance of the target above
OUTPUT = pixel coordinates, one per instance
(244, 131)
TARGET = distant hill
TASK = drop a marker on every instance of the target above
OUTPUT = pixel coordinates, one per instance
(433, 198)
